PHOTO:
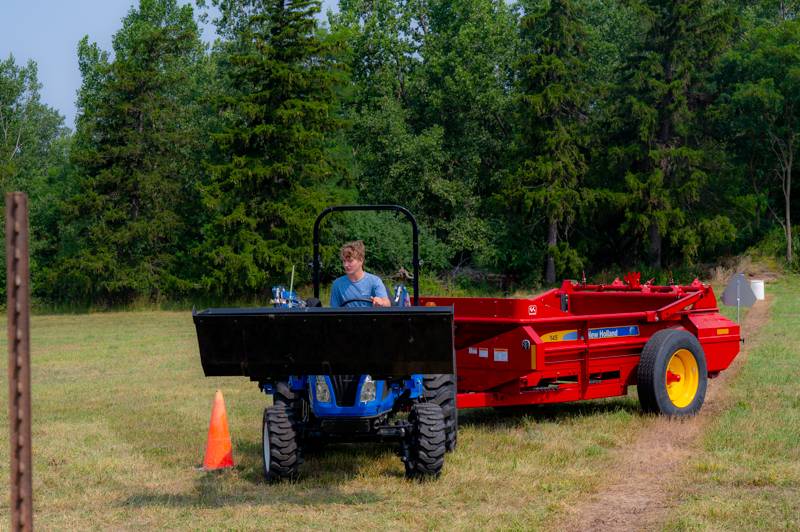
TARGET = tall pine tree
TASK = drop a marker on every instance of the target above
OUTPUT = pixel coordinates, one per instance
(657, 101)
(272, 165)
(134, 155)
(552, 101)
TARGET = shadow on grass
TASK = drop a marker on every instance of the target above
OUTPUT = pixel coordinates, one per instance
(513, 416)
(217, 491)
(333, 463)
(321, 476)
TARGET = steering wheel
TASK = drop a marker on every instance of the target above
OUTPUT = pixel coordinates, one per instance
(358, 299)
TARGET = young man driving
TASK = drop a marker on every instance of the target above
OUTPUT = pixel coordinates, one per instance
(357, 288)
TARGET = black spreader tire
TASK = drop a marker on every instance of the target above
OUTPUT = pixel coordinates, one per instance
(440, 389)
(280, 450)
(426, 446)
(651, 374)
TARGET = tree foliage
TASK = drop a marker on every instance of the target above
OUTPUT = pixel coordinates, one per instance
(662, 164)
(553, 98)
(34, 148)
(134, 152)
(429, 114)
(271, 171)
(760, 109)
(532, 140)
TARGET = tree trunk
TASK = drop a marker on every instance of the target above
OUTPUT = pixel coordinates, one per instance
(787, 195)
(655, 245)
(552, 241)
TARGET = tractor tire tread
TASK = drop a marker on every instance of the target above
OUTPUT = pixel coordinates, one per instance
(440, 389)
(427, 446)
(284, 452)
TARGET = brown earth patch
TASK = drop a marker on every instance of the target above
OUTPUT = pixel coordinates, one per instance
(637, 492)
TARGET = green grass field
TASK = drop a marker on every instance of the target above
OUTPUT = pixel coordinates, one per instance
(747, 474)
(121, 410)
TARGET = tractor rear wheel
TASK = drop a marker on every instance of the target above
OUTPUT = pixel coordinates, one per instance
(281, 452)
(672, 375)
(426, 447)
(440, 389)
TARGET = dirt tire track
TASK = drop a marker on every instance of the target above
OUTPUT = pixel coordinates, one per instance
(637, 492)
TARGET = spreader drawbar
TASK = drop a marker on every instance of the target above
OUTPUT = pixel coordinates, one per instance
(274, 343)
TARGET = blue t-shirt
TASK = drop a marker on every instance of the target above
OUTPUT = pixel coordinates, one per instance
(365, 288)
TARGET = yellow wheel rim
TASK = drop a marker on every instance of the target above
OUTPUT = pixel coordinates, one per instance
(682, 378)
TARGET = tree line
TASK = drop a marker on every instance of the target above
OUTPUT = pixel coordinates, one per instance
(533, 140)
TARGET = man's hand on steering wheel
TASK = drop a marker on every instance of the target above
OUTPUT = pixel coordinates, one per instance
(375, 301)
(381, 302)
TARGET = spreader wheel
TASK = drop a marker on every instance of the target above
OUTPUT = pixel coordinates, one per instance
(426, 447)
(279, 442)
(440, 389)
(672, 375)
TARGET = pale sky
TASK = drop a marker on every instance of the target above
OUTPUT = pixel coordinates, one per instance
(48, 32)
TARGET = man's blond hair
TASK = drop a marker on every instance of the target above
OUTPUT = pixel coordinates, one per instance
(354, 249)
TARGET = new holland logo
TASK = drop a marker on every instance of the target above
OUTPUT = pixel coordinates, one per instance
(613, 332)
(594, 334)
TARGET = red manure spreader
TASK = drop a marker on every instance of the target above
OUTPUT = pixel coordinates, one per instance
(351, 374)
(584, 341)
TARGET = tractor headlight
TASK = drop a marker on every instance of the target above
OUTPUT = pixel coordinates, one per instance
(368, 390)
(323, 393)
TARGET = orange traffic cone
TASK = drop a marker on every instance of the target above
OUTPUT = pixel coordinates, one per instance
(219, 452)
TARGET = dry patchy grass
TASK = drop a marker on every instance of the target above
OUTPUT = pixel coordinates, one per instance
(121, 409)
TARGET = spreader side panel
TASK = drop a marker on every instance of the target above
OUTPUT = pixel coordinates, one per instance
(719, 336)
(268, 343)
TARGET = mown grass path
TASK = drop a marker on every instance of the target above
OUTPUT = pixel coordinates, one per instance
(643, 486)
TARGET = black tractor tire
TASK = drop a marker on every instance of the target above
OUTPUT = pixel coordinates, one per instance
(293, 401)
(280, 449)
(656, 394)
(440, 389)
(426, 446)
(285, 396)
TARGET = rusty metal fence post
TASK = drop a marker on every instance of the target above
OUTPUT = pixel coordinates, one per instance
(19, 361)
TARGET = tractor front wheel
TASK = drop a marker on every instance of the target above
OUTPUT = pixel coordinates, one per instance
(285, 396)
(672, 375)
(426, 447)
(279, 443)
(440, 389)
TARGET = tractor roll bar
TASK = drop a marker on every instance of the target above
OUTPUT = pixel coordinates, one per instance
(397, 208)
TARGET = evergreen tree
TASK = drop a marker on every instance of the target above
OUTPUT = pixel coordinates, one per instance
(272, 171)
(135, 158)
(656, 106)
(553, 97)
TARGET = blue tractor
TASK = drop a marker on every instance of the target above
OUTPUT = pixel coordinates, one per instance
(395, 384)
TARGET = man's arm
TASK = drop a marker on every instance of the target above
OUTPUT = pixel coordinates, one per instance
(380, 298)
(335, 301)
